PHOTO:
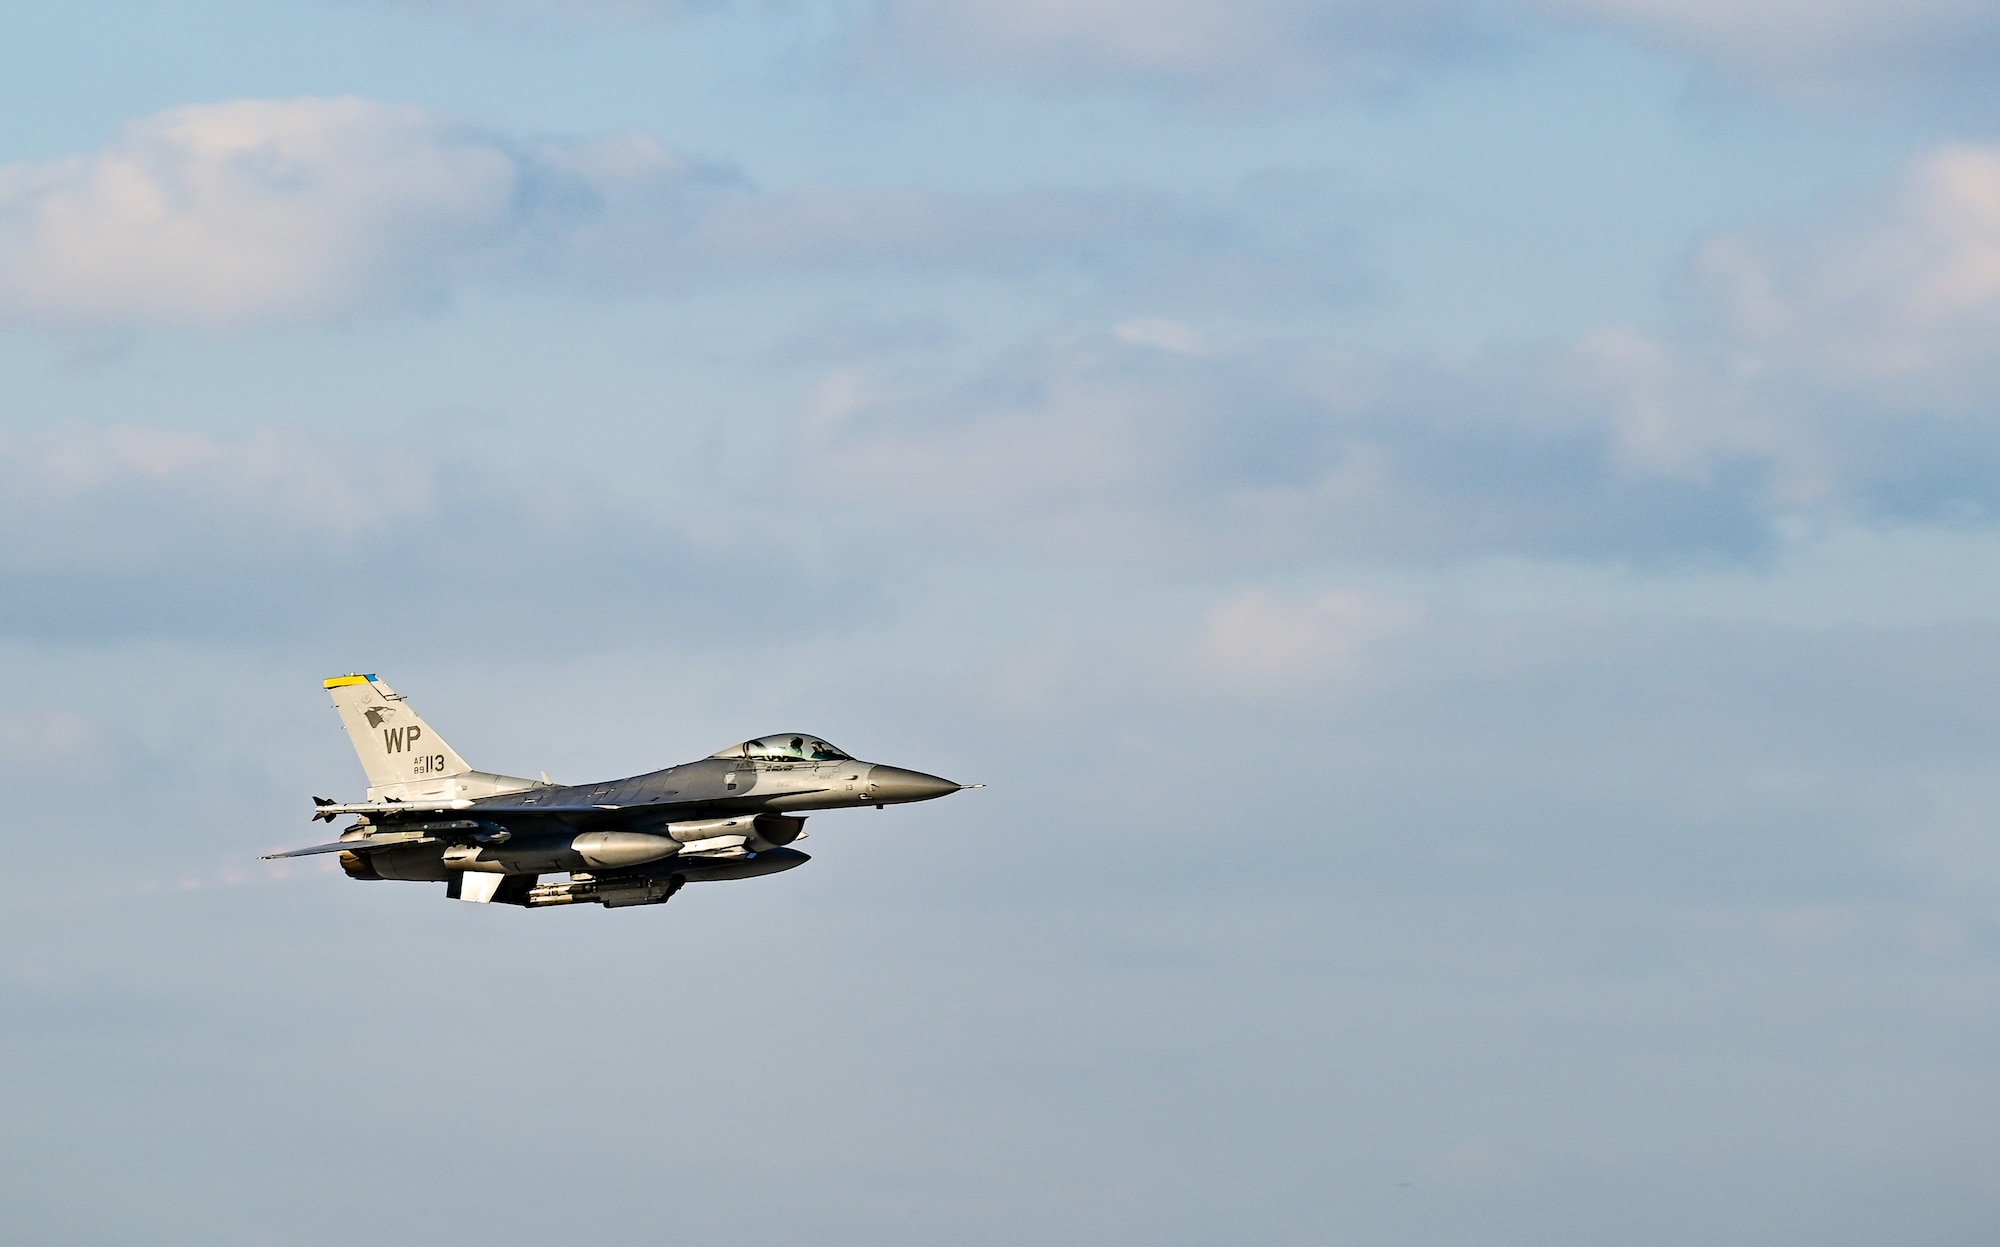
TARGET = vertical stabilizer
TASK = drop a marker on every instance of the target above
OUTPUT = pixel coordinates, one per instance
(396, 746)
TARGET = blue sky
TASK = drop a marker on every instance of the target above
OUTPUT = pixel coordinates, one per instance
(1459, 536)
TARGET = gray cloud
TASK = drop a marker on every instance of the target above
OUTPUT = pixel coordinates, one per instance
(1832, 370)
(1825, 54)
(120, 532)
(1843, 54)
(518, 13)
(1304, 905)
(1270, 452)
(1201, 48)
(1639, 869)
(1833, 54)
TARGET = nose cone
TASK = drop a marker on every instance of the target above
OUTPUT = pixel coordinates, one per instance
(893, 783)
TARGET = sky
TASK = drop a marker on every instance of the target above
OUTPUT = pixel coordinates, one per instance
(1460, 537)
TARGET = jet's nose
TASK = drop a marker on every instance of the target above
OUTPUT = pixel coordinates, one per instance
(893, 783)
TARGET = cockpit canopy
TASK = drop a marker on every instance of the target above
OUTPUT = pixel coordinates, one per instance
(784, 748)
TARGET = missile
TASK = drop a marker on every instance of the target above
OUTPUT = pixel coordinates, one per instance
(610, 893)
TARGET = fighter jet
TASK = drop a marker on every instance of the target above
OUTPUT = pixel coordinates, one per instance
(735, 814)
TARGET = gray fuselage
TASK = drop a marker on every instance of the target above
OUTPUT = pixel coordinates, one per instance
(717, 818)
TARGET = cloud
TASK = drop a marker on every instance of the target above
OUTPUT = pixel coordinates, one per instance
(1832, 370)
(1247, 649)
(131, 531)
(1902, 284)
(1204, 48)
(1852, 354)
(1829, 52)
(1270, 642)
(54, 741)
(830, 224)
(130, 496)
(1835, 53)
(1840, 54)
(255, 210)
(581, 12)
(220, 214)
(1259, 452)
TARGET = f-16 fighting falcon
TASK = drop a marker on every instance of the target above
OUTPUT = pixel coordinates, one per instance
(490, 838)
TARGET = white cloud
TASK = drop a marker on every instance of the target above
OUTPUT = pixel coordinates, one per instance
(1835, 369)
(227, 212)
(219, 214)
(130, 496)
(37, 744)
(1167, 335)
(224, 214)
(1906, 284)
(1851, 356)
(1055, 439)
(128, 530)
(1252, 647)
(1267, 642)
(1261, 451)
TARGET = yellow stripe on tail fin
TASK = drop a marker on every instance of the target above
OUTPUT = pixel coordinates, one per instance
(395, 745)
